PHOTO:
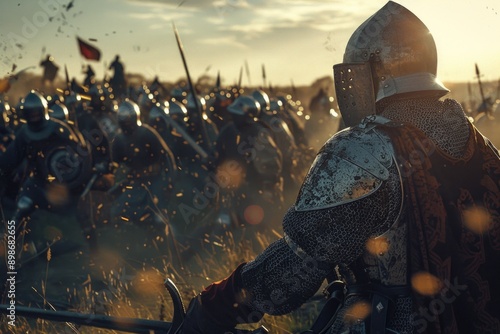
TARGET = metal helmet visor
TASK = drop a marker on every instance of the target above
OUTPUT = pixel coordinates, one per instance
(355, 91)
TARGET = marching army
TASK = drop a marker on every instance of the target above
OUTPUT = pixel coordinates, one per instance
(102, 167)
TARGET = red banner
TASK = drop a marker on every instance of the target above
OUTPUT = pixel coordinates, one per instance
(88, 51)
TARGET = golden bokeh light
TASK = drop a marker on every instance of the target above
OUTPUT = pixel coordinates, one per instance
(357, 312)
(148, 282)
(254, 214)
(426, 284)
(57, 194)
(377, 246)
(477, 219)
(230, 174)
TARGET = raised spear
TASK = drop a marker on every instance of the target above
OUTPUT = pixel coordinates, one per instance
(217, 82)
(264, 76)
(204, 133)
(68, 83)
(480, 84)
(247, 70)
(241, 77)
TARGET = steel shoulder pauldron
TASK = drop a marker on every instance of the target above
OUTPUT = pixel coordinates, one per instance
(351, 165)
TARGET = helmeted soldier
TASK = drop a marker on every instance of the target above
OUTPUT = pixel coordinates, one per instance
(55, 154)
(179, 91)
(284, 140)
(89, 77)
(118, 82)
(103, 110)
(157, 89)
(260, 96)
(58, 166)
(59, 111)
(291, 116)
(87, 123)
(169, 120)
(138, 145)
(51, 99)
(97, 98)
(49, 70)
(162, 118)
(145, 100)
(93, 123)
(217, 105)
(247, 153)
(399, 211)
(200, 126)
(302, 155)
(74, 86)
(147, 170)
(157, 120)
(73, 101)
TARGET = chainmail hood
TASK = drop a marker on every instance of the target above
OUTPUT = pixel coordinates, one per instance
(444, 122)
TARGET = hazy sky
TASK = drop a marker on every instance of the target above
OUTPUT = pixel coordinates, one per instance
(297, 40)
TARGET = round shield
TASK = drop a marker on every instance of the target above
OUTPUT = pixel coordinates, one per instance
(69, 167)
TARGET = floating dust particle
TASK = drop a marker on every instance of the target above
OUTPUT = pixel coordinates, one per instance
(377, 246)
(426, 284)
(477, 219)
(357, 312)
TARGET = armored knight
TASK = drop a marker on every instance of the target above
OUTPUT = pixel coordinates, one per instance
(399, 211)
(147, 163)
(284, 141)
(55, 156)
(54, 165)
(248, 145)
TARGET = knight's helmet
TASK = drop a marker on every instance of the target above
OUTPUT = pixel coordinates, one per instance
(244, 108)
(129, 116)
(157, 114)
(72, 101)
(260, 96)
(200, 103)
(391, 53)
(34, 110)
(97, 96)
(158, 111)
(177, 111)
(59, 111)
(52, 99)
(178, 93)
(276, 106)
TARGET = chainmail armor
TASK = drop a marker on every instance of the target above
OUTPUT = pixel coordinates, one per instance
(333, 236)
(444, 122)
(279, 281)
(401, 320)
(337, 235)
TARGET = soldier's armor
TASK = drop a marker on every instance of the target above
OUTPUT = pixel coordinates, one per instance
(353, 193)
(57, 153)
(143, 151)
(380, 62)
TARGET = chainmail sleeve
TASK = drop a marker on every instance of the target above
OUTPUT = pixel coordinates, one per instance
(328, 228)
(338, 235)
